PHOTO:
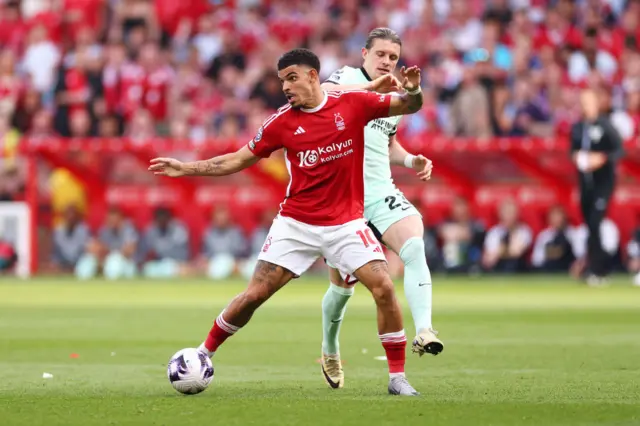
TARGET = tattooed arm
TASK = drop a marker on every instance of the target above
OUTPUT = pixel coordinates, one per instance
(217, 166)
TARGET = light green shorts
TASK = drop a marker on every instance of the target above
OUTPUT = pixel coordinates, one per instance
(388, 210)
(381, 215)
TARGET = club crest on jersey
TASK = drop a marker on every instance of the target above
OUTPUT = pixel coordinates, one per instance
(339, 121)
(382, 98)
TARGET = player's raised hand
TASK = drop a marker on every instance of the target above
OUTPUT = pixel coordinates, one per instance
(410, 77)
(386, 84)
(423, 166)
(167, 167)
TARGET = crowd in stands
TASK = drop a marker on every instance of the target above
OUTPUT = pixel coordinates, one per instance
(460, 244)
(205, 68)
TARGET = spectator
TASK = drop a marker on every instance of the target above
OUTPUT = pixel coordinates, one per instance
(231, 55)
(134, 20)
(507, 243)
(70, 240)
(76, 91)
(140, 129)
(165, 247)
(591, 58)
(462, 238)
(158, 77)
(492, 57)
(207, 41)
(464, 29)
(269, 92)
(470, 113)
(109, 126)
(41, 59)
(28, 107)
(12, 26)
(530, 117)
(633, 254)
(113, 252)
(12, 183)
(80, 124)
(10, 84)
(610, 241)
(553, 251)
(223, 245)
(41, 126)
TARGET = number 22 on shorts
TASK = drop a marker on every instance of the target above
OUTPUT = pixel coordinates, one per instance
(391, 201)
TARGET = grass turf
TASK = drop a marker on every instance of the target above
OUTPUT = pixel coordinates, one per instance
(518, 351)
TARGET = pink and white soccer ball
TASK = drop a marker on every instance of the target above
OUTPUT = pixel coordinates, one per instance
(190, 371)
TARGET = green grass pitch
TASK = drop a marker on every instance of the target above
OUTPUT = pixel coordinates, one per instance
(518, 351)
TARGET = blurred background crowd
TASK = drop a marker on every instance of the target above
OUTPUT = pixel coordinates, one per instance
(205, 68)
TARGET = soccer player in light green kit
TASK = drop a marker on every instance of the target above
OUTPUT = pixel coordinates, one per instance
(393, 219)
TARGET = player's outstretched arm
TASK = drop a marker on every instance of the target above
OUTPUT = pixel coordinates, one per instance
(398, 156)
(411, 100)
(383, 84)
(217, 166)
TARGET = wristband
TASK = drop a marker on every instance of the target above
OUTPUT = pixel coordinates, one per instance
(408, 161)
(414, 91)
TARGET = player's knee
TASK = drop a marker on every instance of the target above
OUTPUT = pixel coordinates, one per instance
(384, 293)
(412, 250)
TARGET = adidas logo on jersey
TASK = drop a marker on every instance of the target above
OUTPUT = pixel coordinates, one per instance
(299, 131)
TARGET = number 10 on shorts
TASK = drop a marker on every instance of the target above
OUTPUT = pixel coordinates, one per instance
(367, 238)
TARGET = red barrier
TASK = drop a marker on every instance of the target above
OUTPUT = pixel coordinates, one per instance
(537, 173)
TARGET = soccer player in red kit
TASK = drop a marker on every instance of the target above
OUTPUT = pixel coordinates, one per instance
(322, 134)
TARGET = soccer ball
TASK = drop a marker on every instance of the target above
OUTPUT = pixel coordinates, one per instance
(190, 371)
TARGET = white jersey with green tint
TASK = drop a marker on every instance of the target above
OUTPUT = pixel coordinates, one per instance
(377, 168)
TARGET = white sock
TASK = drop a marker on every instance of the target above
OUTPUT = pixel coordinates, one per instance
(202, 348)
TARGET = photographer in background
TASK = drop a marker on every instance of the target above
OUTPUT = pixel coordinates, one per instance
(596, 148)
(507, 243)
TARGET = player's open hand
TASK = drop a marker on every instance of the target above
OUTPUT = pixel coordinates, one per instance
(167, 167)
(410, 77)
(423, 166)
(386, 84)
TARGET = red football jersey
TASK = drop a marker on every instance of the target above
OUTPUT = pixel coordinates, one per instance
(156, 88)
(132, 81)
(324, 152)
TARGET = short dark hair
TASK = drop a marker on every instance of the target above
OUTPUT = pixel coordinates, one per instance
(299, 56)
(382, 34)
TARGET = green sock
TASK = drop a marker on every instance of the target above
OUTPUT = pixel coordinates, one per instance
(334, 305)
(417, 282)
